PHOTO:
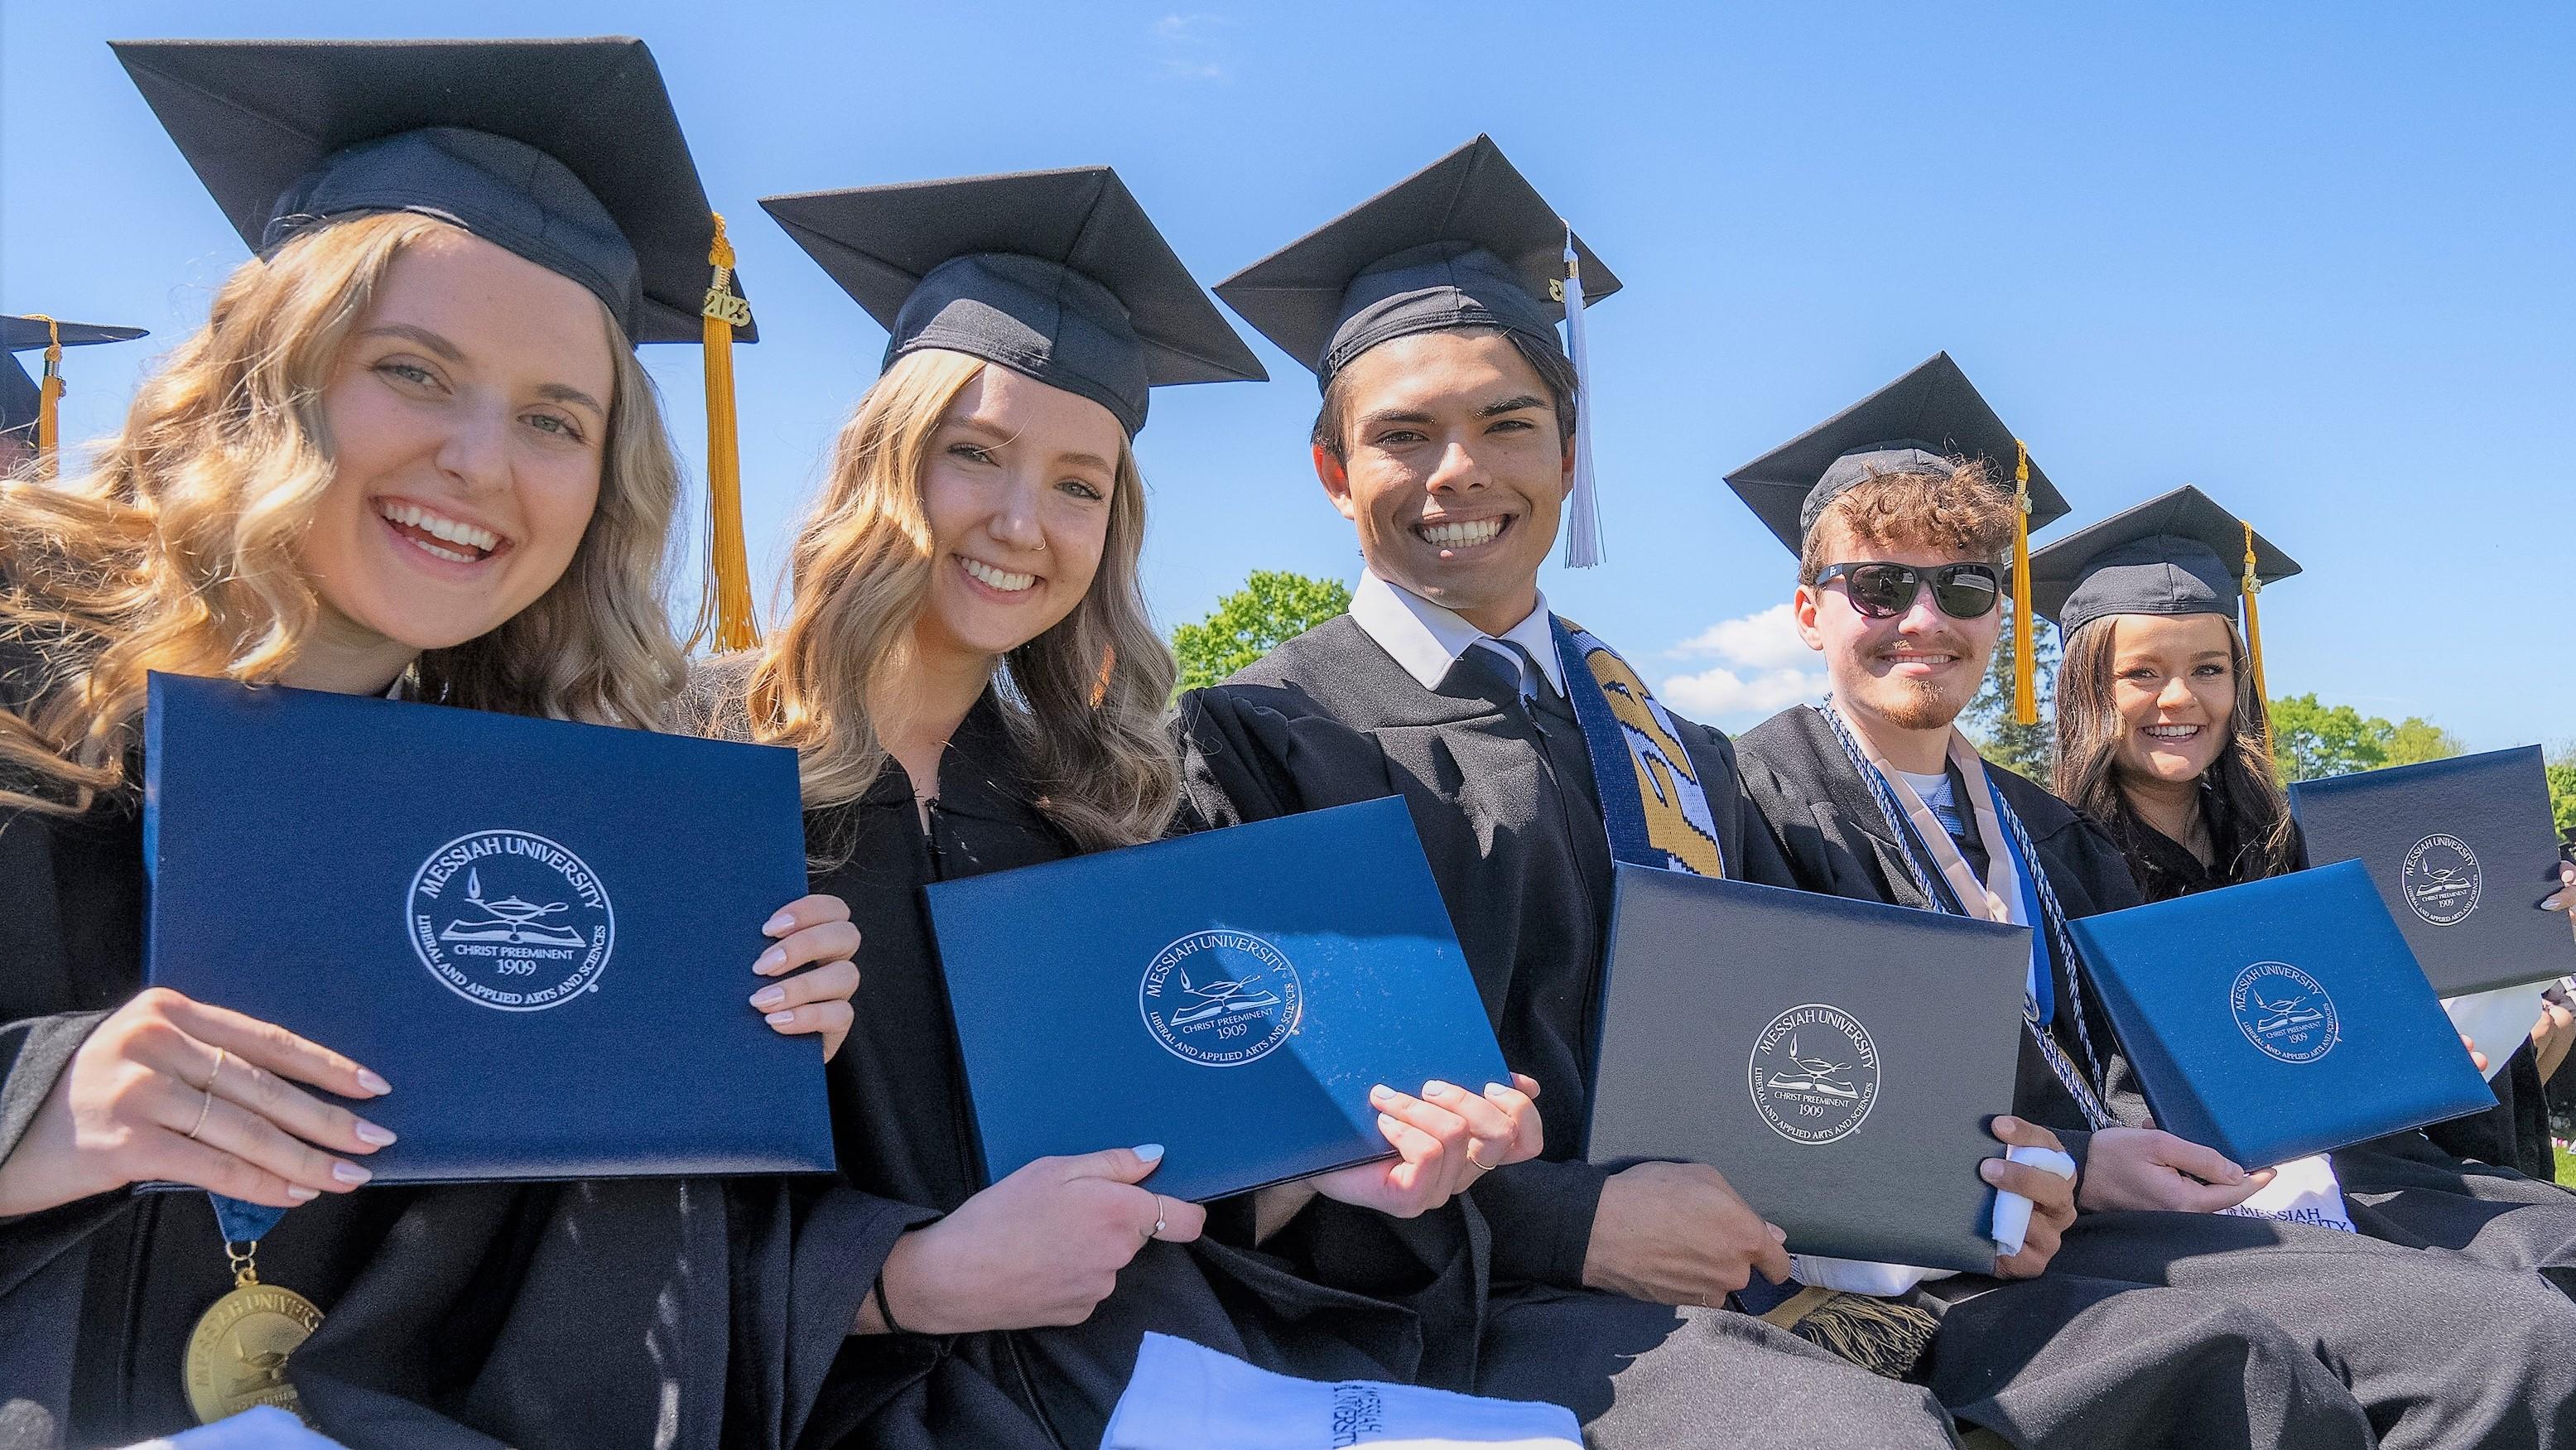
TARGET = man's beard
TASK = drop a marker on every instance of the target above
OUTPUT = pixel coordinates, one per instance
(1916, 705)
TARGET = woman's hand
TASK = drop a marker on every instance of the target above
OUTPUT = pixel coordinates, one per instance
(2151, 1168)
(2052, 1199)
(1041, 1247)
(810, 929)
(2551, 1036)
(1444, 1141)
(171, 1088)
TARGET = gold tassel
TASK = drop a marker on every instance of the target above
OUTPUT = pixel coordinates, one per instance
(2253, 585)
(2025, 667)
(727, 596)
(49, 394)
(1884, 1336)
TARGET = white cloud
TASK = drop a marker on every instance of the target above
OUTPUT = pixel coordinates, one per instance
(1192, 46)
(1767, 640)
(1763, 670)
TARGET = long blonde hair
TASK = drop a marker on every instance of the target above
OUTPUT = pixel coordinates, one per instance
(178, 549)
(1085, 701)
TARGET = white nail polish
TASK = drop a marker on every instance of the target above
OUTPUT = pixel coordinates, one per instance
(779, 1019)
(1150, 1152)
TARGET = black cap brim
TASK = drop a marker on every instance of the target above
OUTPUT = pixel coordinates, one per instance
(26, 334)
(255, 118)
(1933, 405)
(879, 242)
(1472, 197)
(2178, 553)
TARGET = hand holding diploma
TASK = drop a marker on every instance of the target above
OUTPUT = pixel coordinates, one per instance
(2150, 1168)
(810, 930)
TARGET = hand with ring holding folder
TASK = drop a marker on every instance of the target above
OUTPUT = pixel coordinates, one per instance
(2150, 1168)
(170, 1088)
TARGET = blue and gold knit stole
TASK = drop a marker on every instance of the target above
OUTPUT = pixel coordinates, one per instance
(1656, 810)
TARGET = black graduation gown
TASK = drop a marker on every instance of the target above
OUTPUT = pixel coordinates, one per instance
(2452, 1186)
(574, 1314)
(1339, 1294)
(2436, 1349)
(1503, 796)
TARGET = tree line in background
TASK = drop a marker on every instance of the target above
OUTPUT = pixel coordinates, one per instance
(2310, 739)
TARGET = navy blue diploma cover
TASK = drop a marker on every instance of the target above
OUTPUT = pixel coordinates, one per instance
(540, 933)
(2464, 851)
(2279, 1018)
(1232, 995)
(1837, 1060)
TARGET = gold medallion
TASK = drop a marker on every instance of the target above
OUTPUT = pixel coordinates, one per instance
(237, 1354)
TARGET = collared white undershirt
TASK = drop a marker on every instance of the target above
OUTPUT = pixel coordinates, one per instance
(1426, 639)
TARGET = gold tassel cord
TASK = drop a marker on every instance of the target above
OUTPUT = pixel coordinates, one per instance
(2253, 585)
(2025, 668)
(728, 585)
(49, 396)
(1887, 1337)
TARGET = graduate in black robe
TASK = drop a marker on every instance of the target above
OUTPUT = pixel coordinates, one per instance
(1885, 504)
(537, 1315)
(1472, 721)
(2150, 598)
(978, 692)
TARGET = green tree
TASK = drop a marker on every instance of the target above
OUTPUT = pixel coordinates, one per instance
(2562, 789)
(2312, 740)
(1273, 607)
(2415, 739)
(2028, 749)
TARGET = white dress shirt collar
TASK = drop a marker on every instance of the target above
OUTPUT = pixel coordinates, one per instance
(1427, 639)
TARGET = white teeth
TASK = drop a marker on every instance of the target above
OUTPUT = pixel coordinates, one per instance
(1464, 535)
(455, 531)
(2173, 732)
(995, 578)
(448, 554)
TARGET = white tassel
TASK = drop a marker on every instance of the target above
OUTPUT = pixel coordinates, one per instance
(1583, 505)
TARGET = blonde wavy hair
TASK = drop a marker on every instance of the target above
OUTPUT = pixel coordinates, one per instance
(1085, 701)
(178, 550)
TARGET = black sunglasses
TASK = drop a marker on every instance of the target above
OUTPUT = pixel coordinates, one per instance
(1884, 591)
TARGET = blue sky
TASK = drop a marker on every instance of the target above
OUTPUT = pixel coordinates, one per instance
(2319, 267)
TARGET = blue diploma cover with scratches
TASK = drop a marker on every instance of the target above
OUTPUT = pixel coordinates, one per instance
(540, 933)
(1232, 995)
(2281, 1017)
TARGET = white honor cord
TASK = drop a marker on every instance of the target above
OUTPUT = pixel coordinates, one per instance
(1583, 505)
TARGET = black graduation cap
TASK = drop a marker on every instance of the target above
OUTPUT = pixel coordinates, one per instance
(1059, 275)
(21, 399)
(1920, 423)
(1464, 242)
(566, 152)
(2175, 554)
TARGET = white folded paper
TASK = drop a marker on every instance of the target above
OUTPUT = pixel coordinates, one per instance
(2303, 1190)
(1185, 1396)
(263, 1428)
(2499, 1022)
(2009, 1228)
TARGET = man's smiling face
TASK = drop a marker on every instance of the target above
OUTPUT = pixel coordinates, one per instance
(1453, 469)
(1916, 670)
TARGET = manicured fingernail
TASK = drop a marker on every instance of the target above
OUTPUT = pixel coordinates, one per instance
(2556, 901)
(770, 961)
(1779, 1235)
(349, 1172)
(1150, 1152)
(1437, 1090)
(1990, 1170)
(776, 924)
(768, 997)
(1495, 1089)
(367, 1079)
(302, 1194)
(2006, 1124)
(371, 1133)
(779, 1019)
(1381, 1094)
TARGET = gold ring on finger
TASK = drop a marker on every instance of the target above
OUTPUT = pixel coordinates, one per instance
(220, 1054)
(203, 1109)
(1478, 1164)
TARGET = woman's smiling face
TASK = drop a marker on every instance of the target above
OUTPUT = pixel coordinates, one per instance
(467, 422)
(1016, 490)
(2173, 680)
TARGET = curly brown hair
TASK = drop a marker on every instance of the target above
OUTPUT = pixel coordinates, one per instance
(1962, 512)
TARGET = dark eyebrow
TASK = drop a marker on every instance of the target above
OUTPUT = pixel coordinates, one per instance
(1510, 405)
(1394, 415)
(421, 335)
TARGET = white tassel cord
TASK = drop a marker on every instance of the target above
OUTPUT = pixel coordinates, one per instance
(1583, 505)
